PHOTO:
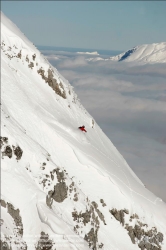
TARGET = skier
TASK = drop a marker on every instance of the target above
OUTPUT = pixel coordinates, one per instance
(82, 128)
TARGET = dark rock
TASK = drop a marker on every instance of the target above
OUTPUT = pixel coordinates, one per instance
(138, 232)
(18, 152)
(92, 238)
(119, 215)
(101, 245)
(15, 214)
(75, 215)
(49, 201)
(33, 57)
(126, 211)
(159, 237)
(3, 203)
(44, 243)
(3, 140)
(4, 245)
(31, 65)
(60, 175)
(101, 216)
(27, 59)
(7, 152)
(131, 234)
(19, 55)
(52, 82)
(41, 72)
(86, 217)
(75, 197)
(60, 192)
(141, 245)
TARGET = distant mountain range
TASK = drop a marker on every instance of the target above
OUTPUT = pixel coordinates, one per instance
(146, 53)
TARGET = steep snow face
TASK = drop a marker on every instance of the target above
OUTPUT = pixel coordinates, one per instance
(63, 188)
(146, 53)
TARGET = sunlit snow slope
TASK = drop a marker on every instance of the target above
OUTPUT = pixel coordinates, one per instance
(146, 53)
(61, 187)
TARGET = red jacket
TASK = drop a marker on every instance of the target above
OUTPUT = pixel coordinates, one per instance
(82, 128)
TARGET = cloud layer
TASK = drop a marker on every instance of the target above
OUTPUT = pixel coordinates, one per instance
(129, 103)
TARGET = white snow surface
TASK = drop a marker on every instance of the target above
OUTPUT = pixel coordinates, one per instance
(146, 53)
(45, 126)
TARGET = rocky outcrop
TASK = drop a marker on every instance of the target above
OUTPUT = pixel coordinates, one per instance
(3, 203)
(91, 216)
(4, 245)
(52, 82)
(31, 65)
(3, 140)
(146, 239)
(15, 214)
(119, 215)
(8, 151)
(18, 152)
(15, 239)
(44, 242)
(92, 238)
(60, 192)
(101, 216)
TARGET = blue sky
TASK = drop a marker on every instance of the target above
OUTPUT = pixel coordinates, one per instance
(114, 25)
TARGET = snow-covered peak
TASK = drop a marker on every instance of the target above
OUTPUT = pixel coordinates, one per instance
(146, 53)
(71, 188)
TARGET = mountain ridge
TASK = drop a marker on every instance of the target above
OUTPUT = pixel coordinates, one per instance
(146, 53)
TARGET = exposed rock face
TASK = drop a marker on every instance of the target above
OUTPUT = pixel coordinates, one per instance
(101, 216)
(18, 152)
(4, 245)
(7, 152)
(146, 239)
(86, 216)
(33, 57)
(3, 203)
(149, 240)
(27, 59)
(19, 55)
(60, 175)
(31, 65)
(92, 217)
(49, 201)
(3, 140)
(8, 149)
(52, 82)
(44, 243)
(15, 213)
(13, 240)
(60, 192)
(119, 215)
(92, 238)
(102, 202)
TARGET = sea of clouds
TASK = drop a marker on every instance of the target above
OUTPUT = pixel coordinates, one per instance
(128, 101)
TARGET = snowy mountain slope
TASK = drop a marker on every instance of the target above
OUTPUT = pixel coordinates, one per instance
(146, 53)
(61, 187)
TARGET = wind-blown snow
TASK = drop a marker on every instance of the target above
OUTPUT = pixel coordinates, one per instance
(62, 171)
